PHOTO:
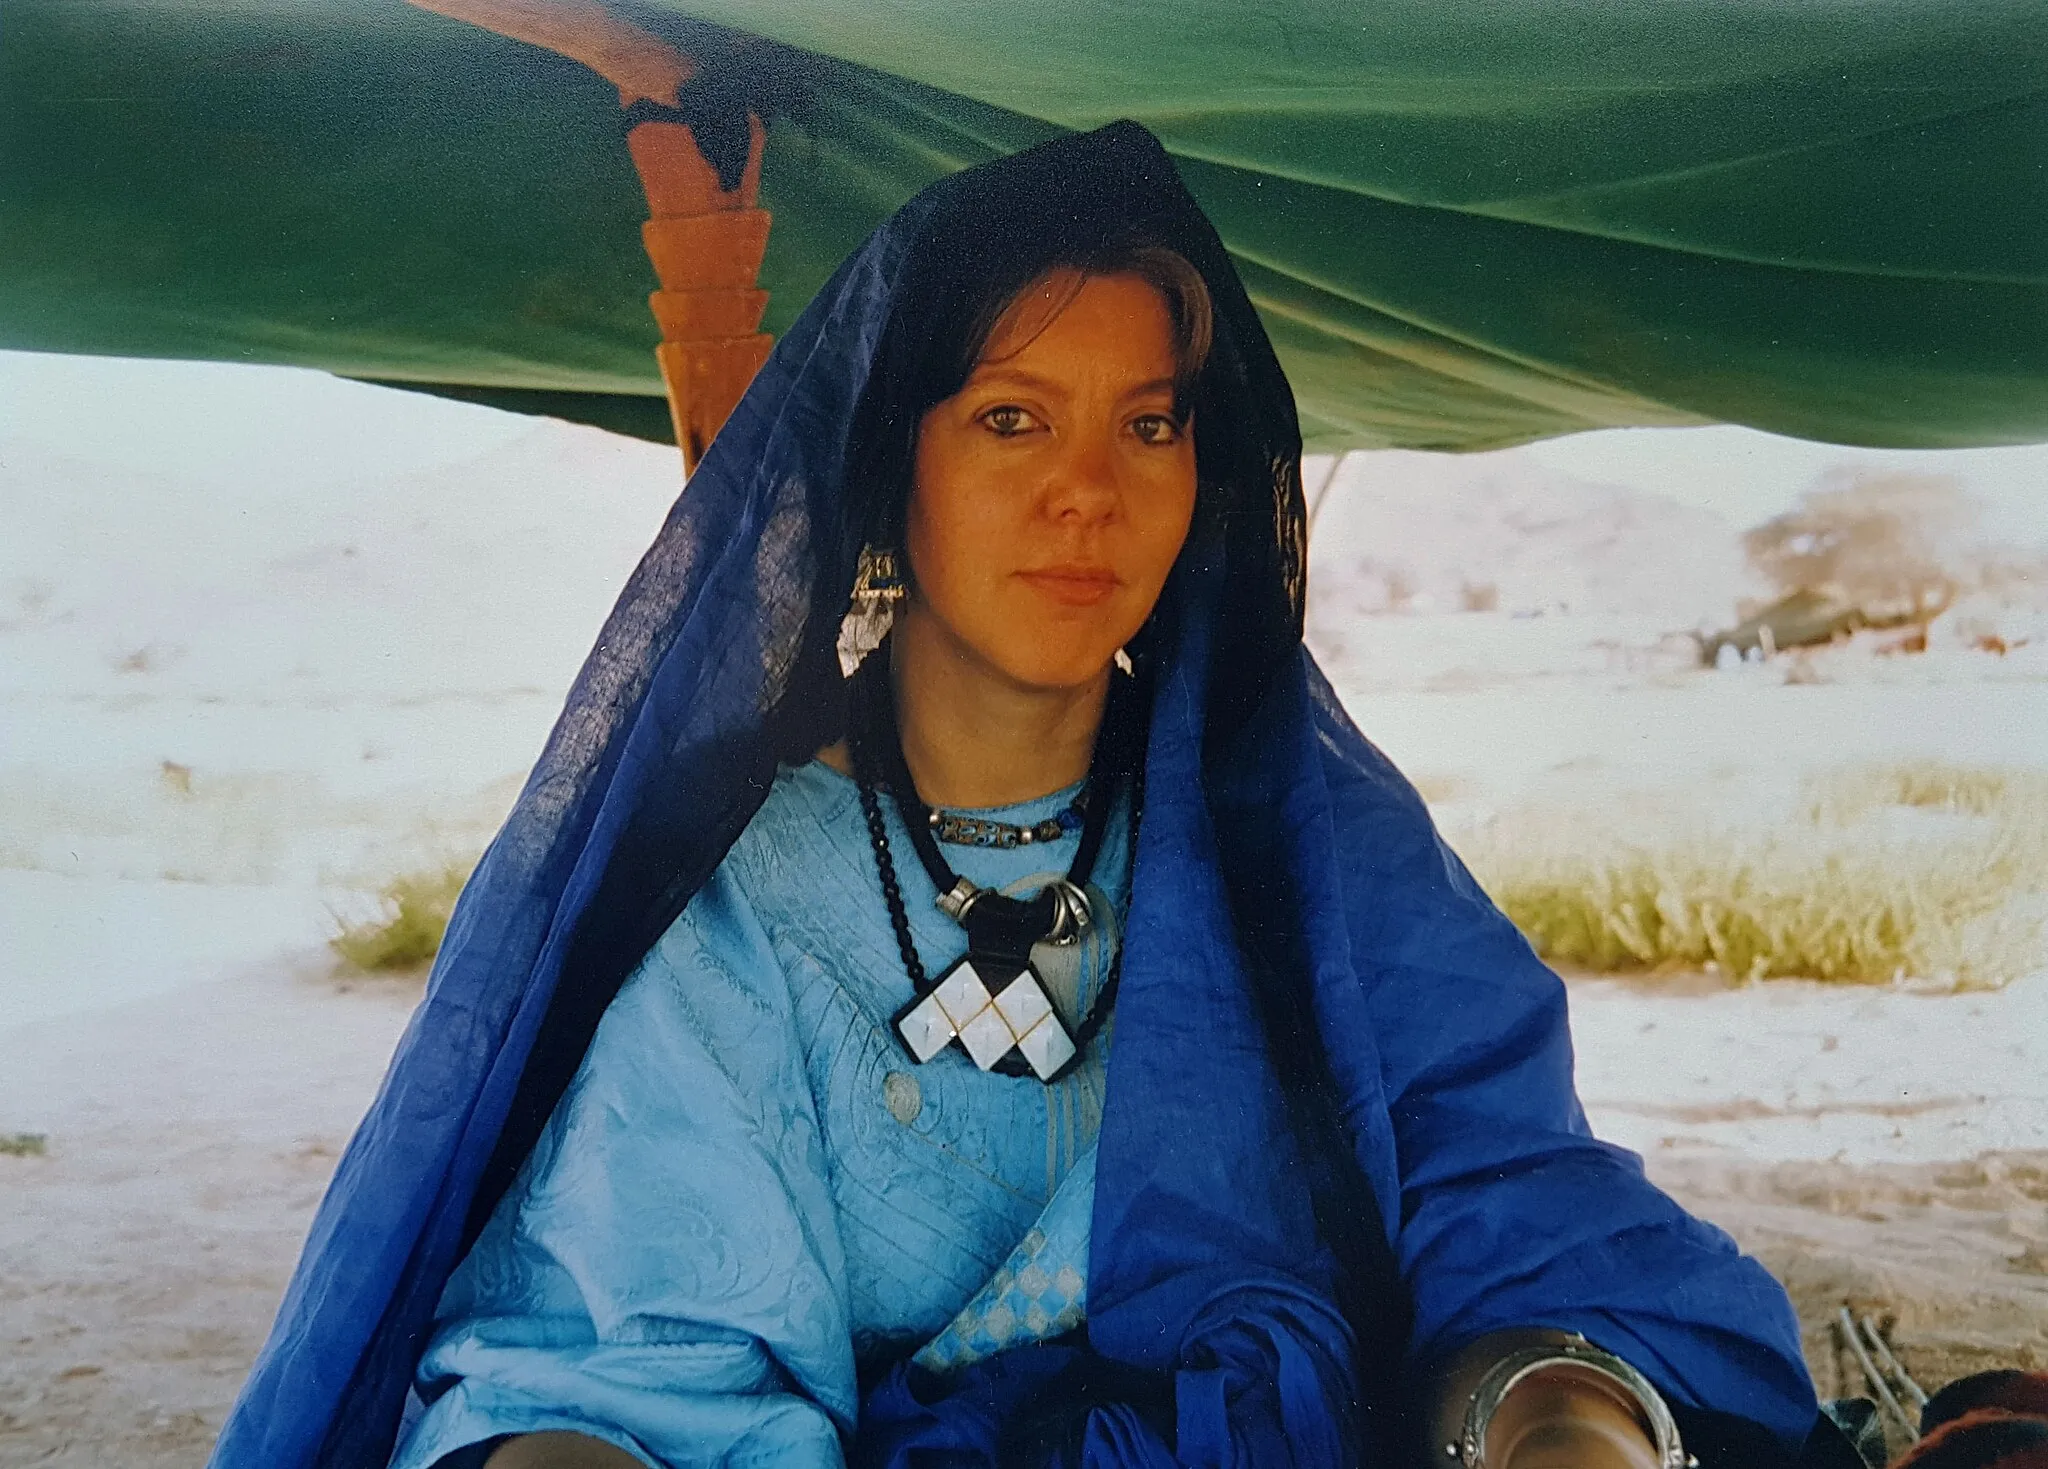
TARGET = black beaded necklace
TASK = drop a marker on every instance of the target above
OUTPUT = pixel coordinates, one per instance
(991, 999)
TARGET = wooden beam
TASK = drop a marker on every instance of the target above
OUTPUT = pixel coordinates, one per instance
(706, 242)
(638, 63)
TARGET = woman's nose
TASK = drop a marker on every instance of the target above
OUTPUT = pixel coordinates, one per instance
(1085, 485)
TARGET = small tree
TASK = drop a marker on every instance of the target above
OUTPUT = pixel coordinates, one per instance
(1478, 596)
(1892, 544)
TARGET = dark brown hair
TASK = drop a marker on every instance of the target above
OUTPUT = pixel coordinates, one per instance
(1186, 295)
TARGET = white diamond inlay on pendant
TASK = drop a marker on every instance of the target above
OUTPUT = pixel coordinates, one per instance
(1047, 1047)
(987, 1037)
(926, 1030)
(962, 995)
(1023, 1003)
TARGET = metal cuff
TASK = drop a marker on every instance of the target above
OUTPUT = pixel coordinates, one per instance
(1511, 1371)
(955, 902)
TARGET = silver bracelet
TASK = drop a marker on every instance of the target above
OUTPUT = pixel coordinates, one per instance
(1580, 1355)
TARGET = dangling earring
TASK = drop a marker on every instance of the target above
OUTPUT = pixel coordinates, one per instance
(878, 589)
(876, 582)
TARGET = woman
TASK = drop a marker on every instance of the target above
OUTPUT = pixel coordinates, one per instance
(708, 1144)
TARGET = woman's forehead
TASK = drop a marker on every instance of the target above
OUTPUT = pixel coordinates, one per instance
(1065, 315)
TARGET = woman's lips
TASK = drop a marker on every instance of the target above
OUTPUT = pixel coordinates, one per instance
(1073, 586)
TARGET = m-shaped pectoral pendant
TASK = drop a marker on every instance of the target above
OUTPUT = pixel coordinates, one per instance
(993, 1009)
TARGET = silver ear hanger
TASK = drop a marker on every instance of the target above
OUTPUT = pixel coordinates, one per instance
(878, 589)
(876, 581)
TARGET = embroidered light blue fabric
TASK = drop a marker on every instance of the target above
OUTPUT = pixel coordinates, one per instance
(1040, 1293)
(750, 1187)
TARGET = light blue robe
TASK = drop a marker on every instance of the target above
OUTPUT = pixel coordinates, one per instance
(750, 1187)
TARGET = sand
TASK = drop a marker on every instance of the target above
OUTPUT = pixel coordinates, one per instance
(190, 1135)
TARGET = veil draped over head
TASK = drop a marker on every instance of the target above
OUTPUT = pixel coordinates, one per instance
(1340, 1137)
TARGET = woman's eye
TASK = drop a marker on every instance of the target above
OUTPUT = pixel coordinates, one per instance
(1156, 428)
(1007, 420)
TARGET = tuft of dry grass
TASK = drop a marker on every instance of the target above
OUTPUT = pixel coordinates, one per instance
(1441, 788)
(1921, 872)
(1848, 794)
(407, 934)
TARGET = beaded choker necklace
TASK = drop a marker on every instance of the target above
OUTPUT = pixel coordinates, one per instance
(991, 1000)
(980, 831)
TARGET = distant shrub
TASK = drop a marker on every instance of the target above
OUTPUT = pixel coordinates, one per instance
(408, 933)
(1838, 892)
(1891, 545)
(1478, 596)
(1386, 586)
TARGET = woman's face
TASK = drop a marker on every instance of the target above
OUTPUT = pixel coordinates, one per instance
(1053, 491)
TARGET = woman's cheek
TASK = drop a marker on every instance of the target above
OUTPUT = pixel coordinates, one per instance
(1164, 529)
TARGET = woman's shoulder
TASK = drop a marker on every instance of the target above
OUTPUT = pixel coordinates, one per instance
(800, 837)
(715, 945)
(792, 860)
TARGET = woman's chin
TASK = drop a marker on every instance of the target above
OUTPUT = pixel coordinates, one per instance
(1057, 662)
(1027, 643)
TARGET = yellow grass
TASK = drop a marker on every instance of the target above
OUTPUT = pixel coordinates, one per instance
(408, 932)
(1972, 790)
(1440, 788)
(1920, 872)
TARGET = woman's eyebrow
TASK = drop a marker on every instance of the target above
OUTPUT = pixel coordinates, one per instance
(988, 377)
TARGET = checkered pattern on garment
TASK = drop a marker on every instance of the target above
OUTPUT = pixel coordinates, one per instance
(1040, 1292)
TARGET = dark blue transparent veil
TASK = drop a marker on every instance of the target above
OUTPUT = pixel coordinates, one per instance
(1341, 1137)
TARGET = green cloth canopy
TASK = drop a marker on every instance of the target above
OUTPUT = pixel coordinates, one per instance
(1467, 222)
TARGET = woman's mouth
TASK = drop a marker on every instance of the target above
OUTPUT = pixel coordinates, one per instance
(1073, 585)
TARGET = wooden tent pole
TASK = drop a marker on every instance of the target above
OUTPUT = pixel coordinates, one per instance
(706, 242)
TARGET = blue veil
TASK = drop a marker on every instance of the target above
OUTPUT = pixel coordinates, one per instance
(1341, 1137)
